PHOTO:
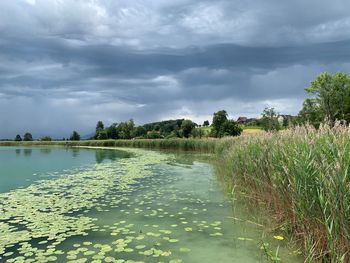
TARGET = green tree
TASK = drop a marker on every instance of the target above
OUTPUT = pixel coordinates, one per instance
(197, 132)
(187, 126)
(270, 120)
(27, 137)
(222, 126)
(206, 123)
(219, 119)
(75, 136)
(230, 128)
(112, 131)
(18, 138)
(165, 127)
(126, 130)
(311, 113)
(46, 138)
(99, 126)
(140, 131)
(285, 122)
(331, 96)
(154, 135)
(102, 135)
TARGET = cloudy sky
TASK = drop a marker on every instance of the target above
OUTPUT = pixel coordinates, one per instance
(65, 64)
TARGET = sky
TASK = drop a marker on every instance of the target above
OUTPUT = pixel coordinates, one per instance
(65, 64)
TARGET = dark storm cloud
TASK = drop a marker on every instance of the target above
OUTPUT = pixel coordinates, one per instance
(217, 66)
(70, 63)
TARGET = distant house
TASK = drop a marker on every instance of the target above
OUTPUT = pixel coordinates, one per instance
(245, 120)
(283, 117)
(242, 120)
(153, 132)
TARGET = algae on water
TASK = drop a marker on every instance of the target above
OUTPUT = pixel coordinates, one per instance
(136, 209)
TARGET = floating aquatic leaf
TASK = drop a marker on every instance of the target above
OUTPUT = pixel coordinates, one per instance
(245, 239)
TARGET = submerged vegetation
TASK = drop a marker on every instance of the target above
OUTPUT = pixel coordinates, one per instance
(141, 207)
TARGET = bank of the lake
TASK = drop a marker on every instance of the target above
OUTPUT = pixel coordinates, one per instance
(301, 175)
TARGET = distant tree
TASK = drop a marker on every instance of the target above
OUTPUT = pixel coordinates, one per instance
(46, 138)
(140, 131)
(99, 126)
(154, 135)
(197, 132)
(270, 120)
(27, 137)
(222, 126)
(112, 131)
(329, 100)
(172, 135)
(206, 123)
(165, 128)
(331, 94)
(18, 138)
(102, 135)
(75, 136)
(126, 129)
(311, 113)
(194, 133)
(219, 119)
(230, 128)
(200, 133)
(187, 126)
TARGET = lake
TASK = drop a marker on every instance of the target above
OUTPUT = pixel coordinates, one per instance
(130, 205)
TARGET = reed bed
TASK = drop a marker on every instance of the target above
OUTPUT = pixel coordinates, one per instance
(302, 174)
(202, 145)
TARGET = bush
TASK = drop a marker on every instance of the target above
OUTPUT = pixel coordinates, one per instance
(46, 138)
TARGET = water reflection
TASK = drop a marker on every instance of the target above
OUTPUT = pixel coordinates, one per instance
(111, 155)
(188, 158)
(75, 152)
(45, 150)
(27, 152)
(18, 152)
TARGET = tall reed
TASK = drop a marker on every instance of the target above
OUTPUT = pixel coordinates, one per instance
(303, 174)
(203, 145)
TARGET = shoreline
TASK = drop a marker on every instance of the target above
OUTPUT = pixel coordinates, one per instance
(294, 173)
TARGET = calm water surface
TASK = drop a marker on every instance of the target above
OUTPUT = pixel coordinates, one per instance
(79, 205)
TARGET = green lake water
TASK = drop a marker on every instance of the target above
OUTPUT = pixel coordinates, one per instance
(130, 205)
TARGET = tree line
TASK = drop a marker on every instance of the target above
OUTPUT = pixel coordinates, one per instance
(29, 137)
(328, 101)
(180, 128)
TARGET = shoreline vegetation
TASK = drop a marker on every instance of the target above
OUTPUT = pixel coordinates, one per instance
(301, 174)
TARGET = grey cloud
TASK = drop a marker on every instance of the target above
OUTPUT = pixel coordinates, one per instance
(69, 63)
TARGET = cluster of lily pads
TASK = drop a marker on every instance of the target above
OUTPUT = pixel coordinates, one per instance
(37, 223)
